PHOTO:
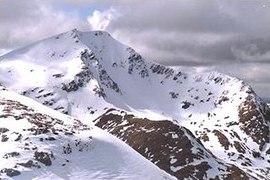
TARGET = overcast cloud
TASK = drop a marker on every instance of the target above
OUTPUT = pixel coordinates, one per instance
(225, 35)
(191, 30)
(228, 36)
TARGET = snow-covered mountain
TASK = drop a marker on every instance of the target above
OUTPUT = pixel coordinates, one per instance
(38, 142)
(83, 74)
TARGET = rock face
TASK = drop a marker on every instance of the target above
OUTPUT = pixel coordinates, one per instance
(254, 119)
(85, 74)
(171, 147)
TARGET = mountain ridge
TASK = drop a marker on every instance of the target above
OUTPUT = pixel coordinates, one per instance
(85, 74)
(38, 142)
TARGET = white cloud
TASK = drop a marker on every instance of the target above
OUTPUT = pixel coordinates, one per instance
(29, 21)
(100, 20)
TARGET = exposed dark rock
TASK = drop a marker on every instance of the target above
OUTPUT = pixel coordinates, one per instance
(10, 172)
(3, 130)
(239, 147)
(173, 95)
(43, 157)
(107, 81)
(186, 104)
(194, 172)
(29, 164)
(4, 138)
(204, 137)
(256, 154)
(223, 140)
(58, 75)
(253, 120)
(217, 79)
(50, 139)
(236, 174)
(99, 91)
(67, 149)
(11, 154)
(83, 77)
(268, 151)
(223, 99)
(159, 141)
(137, 63)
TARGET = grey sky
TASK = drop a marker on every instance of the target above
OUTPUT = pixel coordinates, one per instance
(225, 35)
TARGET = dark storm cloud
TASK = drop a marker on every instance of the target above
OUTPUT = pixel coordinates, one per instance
(198, 16)
(228, 36)
(204, 31)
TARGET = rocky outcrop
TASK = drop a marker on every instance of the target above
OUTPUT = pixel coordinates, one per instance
(30, 142)
(254, 118)
(171, 147)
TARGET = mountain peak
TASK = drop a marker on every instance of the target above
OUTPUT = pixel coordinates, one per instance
(95, 32)
(67, 41)
(84, 74)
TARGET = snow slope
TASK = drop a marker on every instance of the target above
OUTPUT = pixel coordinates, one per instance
(39, 143)
(83, 74)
